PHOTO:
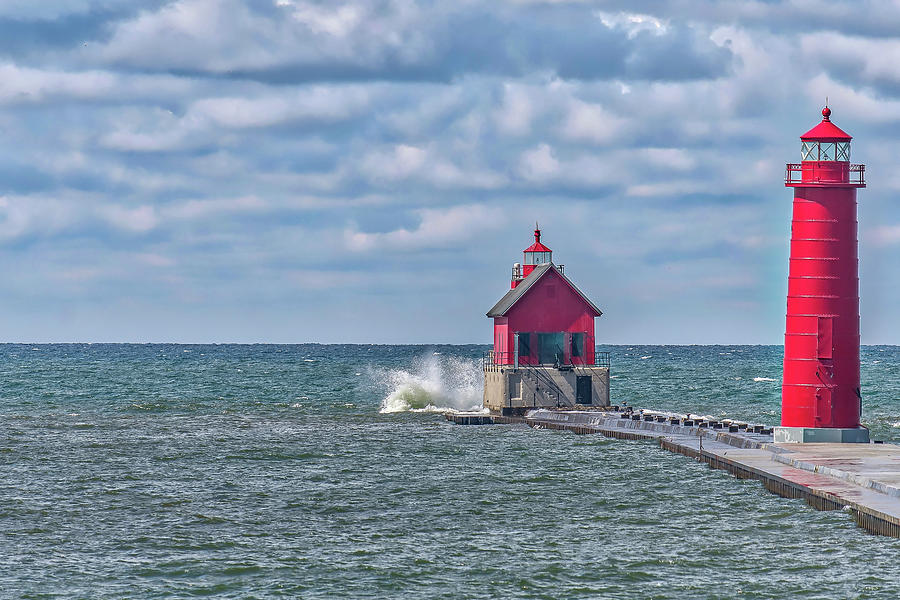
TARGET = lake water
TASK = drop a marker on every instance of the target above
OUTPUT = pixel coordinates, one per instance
(310, 471)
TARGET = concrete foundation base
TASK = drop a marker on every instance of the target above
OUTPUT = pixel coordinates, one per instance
(514, 391)
(830, 435)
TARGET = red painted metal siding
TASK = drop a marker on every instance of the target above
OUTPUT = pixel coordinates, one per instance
(549, 306)
(821, 342)
(502, 345)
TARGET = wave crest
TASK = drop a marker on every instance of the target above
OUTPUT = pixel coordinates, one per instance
(434, 384)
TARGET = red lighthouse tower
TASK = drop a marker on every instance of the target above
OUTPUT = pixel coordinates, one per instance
(820, 398)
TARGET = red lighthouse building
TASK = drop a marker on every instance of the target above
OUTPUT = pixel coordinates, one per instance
(544, 352)
(821, 399)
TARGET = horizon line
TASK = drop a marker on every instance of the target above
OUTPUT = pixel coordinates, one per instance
(423, 344)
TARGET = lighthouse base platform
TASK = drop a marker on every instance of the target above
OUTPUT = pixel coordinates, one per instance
(512, 390)
(821, 435)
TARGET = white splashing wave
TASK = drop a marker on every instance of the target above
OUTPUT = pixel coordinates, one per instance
(434, 384)
(764, 379)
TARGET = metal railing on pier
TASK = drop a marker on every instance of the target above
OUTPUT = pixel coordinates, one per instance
(507, 359)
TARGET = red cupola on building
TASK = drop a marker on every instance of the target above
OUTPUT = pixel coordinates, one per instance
(544, 318)
(535, 254)
(821, 399)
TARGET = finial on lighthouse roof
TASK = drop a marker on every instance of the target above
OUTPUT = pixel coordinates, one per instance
(826, 131)
(537, 246)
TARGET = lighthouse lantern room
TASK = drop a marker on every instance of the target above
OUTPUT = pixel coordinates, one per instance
(535, 254)
(544, 353)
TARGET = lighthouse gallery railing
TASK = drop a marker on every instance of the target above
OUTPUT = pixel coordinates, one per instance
(853, 174)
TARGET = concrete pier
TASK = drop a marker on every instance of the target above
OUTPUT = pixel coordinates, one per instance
(863, 479)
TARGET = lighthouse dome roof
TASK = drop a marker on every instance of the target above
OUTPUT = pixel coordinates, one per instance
(826, 130)
(537, 247)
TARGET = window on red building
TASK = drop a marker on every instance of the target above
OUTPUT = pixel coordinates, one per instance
(524, 344)
(577, 345)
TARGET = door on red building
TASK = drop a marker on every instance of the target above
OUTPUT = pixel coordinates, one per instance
(583, 389)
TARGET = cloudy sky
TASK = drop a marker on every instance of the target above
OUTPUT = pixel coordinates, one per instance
(368, 171)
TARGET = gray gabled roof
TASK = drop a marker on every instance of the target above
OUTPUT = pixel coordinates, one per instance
(512, 296)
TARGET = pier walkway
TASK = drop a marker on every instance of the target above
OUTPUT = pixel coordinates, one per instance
(863, 479)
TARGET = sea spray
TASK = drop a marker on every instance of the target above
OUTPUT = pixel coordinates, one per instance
(434, 384)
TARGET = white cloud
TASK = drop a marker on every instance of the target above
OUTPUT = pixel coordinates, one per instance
(666, 189)
(886, 235)
(677, 159)
(139, 219)
(153, 130)
(224, 36)
(515, 114)
(22, 216)
(228, 131)
(633, 23)
(438, 228)
(591, 122)
(324, 280)
(398, 162)
(27, 85)
(869, 59)
(81, 274)
(196, 209)
(852, 103)
(405, 162)
(208, 120)
(315, 103)
(48, 10)
(154, 260)
(222, 33)
(334, 20)
(539, 164)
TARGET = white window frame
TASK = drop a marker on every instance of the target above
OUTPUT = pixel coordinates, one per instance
(809, 151)
(842, 151)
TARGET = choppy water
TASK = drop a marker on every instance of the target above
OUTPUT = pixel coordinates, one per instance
(153, 471)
